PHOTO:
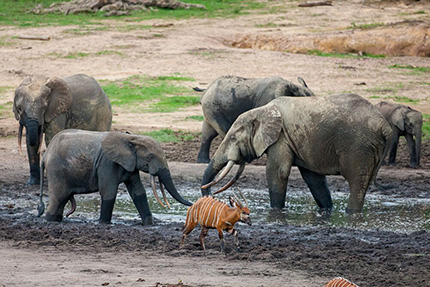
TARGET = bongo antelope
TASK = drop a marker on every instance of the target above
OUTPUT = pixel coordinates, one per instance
(211, 213)
(340, 282)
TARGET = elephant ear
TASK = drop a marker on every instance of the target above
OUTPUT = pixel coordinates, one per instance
(118, 148)
(398, 118)
(267, 126)
(59, 100)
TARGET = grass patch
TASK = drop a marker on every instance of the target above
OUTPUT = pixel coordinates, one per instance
(6, 41)
(392, 88)
(168, 135)
(410, 67)
(159, 94)
(76, 55)
(403, 99)
(366, 25)
(15, 13)
(6, 110)
(342, 55)
(195, 118)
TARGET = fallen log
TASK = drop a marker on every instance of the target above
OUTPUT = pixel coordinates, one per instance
(313, 4)
(34, 38)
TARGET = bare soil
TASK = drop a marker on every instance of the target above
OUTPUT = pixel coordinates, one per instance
(84, 253)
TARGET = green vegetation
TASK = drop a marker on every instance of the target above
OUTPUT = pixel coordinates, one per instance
(6, 41)
(195, 118)
(159, 94)
(77, 55)
(404, 99)
(365, 26)
(15, 12)
(416, 70)
(168, 135)
(6, 110)
(342, 55)
(391, 88)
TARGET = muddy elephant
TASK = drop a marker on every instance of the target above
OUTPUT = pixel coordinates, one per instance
(335, 135)
(79, 161)
(48, 106)
(229, 96)
(406, 122)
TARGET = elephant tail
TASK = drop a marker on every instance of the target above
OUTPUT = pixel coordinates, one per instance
(41, 206)
(387, 134)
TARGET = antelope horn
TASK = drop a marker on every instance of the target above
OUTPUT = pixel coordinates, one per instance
(154, 189)
(164, 195)
(20, 139)
(243, 196)
(233, 180)
(222, 175)
(237, 198)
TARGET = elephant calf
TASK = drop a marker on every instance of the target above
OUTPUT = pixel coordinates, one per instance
(406, 122)
(80, 161)
(48, 106)
(229, 96)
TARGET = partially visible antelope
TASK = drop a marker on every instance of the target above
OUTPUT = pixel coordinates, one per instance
(211, 213)
(340, 282)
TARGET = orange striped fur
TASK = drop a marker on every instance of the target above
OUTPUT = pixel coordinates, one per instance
(214, 214)
(340, 282)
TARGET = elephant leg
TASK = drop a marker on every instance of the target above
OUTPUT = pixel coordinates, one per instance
(208, 134)
(279, 162)
(108, 192)
(57, 201)
(138, 194)
(393, 149)
(359, 178)
(317, 183)
(33, 159)
(412, 150)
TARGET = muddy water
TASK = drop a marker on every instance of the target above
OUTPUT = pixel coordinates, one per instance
(380, 212)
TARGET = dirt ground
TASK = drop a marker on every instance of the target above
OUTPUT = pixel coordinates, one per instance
(84, 253)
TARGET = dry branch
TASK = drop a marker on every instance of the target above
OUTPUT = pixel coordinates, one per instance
(313, 4)
(34, 38)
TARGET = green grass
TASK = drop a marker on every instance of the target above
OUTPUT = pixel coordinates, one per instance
(159, 94)
(78, 55)
(6, 110)
(342, 55)
(15, 12)
(195, 118)
(366, 26)
(391, 88)
(168, 135)
(6, 40)
(411, 68)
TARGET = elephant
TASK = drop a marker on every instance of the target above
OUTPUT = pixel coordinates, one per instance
(229, 96)
(79, 162)
(406, 122)
(43, 105)
(334, 135)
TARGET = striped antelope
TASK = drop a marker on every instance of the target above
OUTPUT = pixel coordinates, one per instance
(340, 282)
(211, 213)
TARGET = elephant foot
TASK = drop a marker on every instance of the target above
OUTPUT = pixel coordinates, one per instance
(352, 210)
(54, 217)
(148, 220)
(33, 181)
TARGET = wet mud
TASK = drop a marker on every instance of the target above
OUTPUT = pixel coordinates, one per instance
(369, 257)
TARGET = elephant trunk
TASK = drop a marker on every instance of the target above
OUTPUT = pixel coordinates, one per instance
(32, 131)
(418, 138)
(20, 138)
(166, 179)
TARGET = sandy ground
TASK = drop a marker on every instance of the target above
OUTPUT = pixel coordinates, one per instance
(36, 253)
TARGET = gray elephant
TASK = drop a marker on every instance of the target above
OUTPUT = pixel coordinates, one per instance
(405, 122)
(49, 106)
(340, 134)
(229, 96)
(80, 162)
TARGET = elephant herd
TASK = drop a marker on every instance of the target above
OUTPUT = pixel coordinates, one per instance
(334, 135)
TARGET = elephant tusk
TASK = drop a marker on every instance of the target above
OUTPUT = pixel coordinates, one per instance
(20, 139)
(73, 208)
(226, 170)
(233, 180)
(154, 189)
(40, 139)
(164, 193)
